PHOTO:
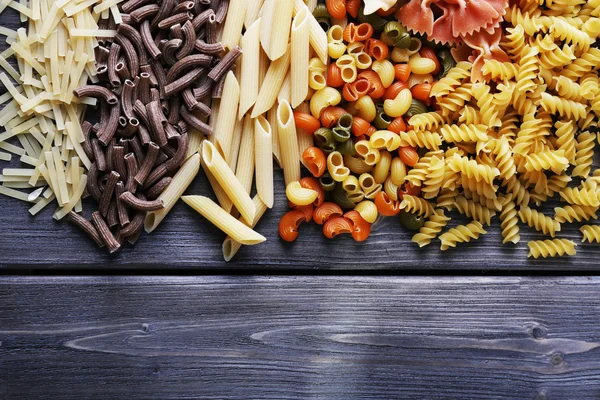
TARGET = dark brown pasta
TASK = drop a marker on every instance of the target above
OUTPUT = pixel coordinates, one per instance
(112, 218)
(140, 110)
(99, 155)
(169, 49)
(122, 71)
(171, 132)
(131, 5)
(144, 13)
(161, 76)
(132, 170)
(189, 40)
(166, 8)
(96, 91)
(136, 224)
(86, 128)
(144, 134)
(131, 127)
(187, 63)
(183, 82)
(225, 65)
(201, 5)
(110, 156)
(147, 69)
(184, 6)
(189, 99)
(179, 157)
(130, 53)
(194, 121)
(217, 89)
(211, 29)
(126, 19)
(155, 190)
(175, 19)
(127, 99)
(121, 207)
(146, 167)
(136, 40)
(221, 12)
(201, 19)
(143, 91)
(174, 116)
(175, 32)
(111, 64)
(156, 123)
(161, 158)
(156, 174)
(136, 146)
(141, 205)
(182, 126)
(101, 54)
(105, 233)
(92, 183)
(85, 226)
(108, 192)
(119, 162)
(148, 41)
(109, 128)
(204, 88)
(211, 49)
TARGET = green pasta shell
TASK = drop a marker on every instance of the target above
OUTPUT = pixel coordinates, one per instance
(382, 120)
(327, 182)
(346, 147)
(340, 134)
(321, 11)
(416, 107)
(324, 140)
(325, 23)
(340, 197)
(375, 20)
(345, 121)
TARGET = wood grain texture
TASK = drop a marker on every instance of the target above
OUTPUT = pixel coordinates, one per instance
(287, 337)
(187, 241)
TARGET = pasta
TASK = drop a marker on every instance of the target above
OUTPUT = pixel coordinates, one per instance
(235, 229)
(431, 229)
(249, 79)
(263, 150)
(551, 248)
(591, 233)
(299, 61)
(539, 221)
(288, 143)
(461, 234)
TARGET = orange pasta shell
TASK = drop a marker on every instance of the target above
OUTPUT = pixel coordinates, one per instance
(352, 7)
(410, 189)
(427, 52)
(359, 126)
(315, 160)
(408, 155)
(334, 76)
(377, 49)
(357, 33)
(336, 8)
(370, 131)
(402, 72)
(306, 122)
(357, 89)
(330, 116)
(336, 226)
(394, 89)
(421, 91)
(289, 223)
(307, 210)
(361, 229)
(312, 183)
(326, 211)
(398, 125)
(385, 205)
(377, 88)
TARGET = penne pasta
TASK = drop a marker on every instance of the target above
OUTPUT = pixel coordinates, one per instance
(235, 144)
(275, 28)
(228, 181)
(237, 230)
(317, 36)
(299, 60)
(288, 142)
(250, 67)
(263, 160)
(272, 118)
(232, 31)
(305, 139)
(245, 165)
(272, 83)
(173, 192)
(285, 93)
(230, 246)
(222, 197)
(252, 12)
(223, 131)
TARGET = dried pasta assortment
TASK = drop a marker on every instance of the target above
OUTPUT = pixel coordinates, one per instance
(415, 110)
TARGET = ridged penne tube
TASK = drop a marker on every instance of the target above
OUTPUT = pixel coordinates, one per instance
(230, 246)
(305, 140)
(237, 230)
(228, 181)
(249, 79)
(252, 12)
(235, 144)
(316, 35)
(173, 192)
(288, 142)
(245, 166)
(275, 29)
(300, 53)
(232, 30)
(285, 93)
(219, 192)
(323, 98)
(263, 160)
(272, 83)
(272, 118)
(223, 131)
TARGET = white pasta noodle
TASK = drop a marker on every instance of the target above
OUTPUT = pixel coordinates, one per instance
(245, 165)
(288, 142)
(225, 123)
(263, 161)
(230, 246)
(272, 83)
(299, 61)
(232, 31)
(250, 68)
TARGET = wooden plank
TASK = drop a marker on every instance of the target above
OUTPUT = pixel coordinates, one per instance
(300, 337)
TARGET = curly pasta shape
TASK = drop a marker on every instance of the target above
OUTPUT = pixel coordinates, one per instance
(591, 233)
(580, 197)
(416, 205)
(464, 133)
(486, 104)
(538, 221)
(584, 153)
(565, 133)
(514, 42)
(446, 198)
(470, 115)
(574, 213)
(547, 160)
(558, 57)
(509, 225)
(461, 234)
(427, 121)
(473, 170)
(551, 248)
(582, 65)
(562, 30)
(453, 79)
(474, 210)
(499, 70)
(434, 178)
(568, 89)
(528, 69)
(430, 140)
(456, 100)
(531, 23)
(431, 229)
(563, 107)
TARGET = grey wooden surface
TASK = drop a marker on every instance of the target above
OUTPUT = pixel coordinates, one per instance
(300, 337)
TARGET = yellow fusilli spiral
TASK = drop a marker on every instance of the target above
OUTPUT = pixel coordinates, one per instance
(427, 121)
(564, 108)
(473, 170)
(562, 30)
(432, 227)
(580, 197)
(574, 213)
(582, 65)
(417, 175)
(464, 133)
(452, 80)
(474, 210)
(446, 198)
(547, 160)
(584, 153)
(455, 100)
(557, 57)
(509, 225)
(486, 104)
(481, 188)
(568, 89)
(434, 178)
(539, 221)
(565, 133)
(591, 233)
(528, 69)
(461, 234)
(416, 205)
(551, 248)
(514, 42)
(430, 140)
(521, 195)
(499, 70)
(504, 158)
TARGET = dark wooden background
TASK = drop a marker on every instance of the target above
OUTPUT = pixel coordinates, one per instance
(76, 323)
